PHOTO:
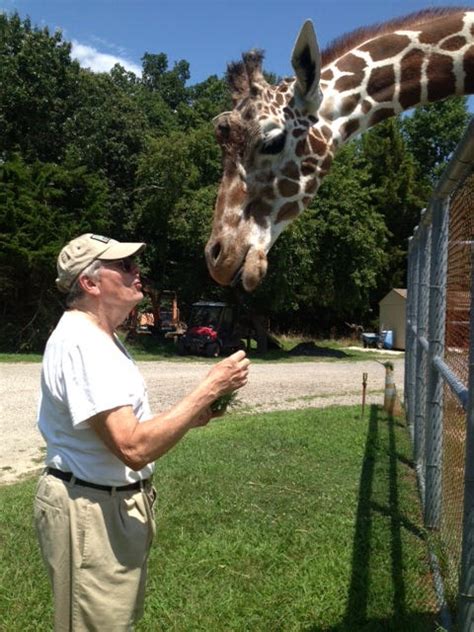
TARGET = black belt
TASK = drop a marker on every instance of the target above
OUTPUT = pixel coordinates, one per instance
(66, 476)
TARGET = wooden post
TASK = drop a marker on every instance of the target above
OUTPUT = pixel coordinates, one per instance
(364, 389)
(390, 402)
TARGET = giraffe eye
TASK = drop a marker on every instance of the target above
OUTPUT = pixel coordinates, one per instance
(222, 132)
(274, 145)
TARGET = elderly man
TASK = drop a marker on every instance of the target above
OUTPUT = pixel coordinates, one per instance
(94, 501)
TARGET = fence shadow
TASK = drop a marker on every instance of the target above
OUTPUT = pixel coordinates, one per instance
(357, 618)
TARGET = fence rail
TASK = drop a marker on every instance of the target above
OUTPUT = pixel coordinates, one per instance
(439, 374)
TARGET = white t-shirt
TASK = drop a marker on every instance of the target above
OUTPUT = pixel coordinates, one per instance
(85, 372)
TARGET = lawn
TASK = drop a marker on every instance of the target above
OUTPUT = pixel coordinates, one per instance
(146, 347)
(291, 521)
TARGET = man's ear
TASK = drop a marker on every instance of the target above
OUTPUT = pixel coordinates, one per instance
(306, 62)
(88, 285)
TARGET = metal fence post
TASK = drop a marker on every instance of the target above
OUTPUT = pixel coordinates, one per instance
(408, 386)
(466, 583)
(414, 324)
(436, 330)
(420, 404)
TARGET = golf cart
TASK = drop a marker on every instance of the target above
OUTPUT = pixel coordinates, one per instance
(213, 329)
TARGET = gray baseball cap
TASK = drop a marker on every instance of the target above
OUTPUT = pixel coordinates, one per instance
(82, 251)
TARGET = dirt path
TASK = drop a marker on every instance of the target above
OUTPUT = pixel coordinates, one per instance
(282, 386)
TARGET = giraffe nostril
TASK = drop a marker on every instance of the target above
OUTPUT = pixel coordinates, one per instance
(215, 251)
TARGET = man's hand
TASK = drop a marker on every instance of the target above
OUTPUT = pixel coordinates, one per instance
(230, 374)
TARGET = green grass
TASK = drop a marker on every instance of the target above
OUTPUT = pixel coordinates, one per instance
(146, 347)
(290, 521)
(20, 357)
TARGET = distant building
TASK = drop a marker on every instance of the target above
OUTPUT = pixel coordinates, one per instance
(392, 314)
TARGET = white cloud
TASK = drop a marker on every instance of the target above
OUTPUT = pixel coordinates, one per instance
(89, 57)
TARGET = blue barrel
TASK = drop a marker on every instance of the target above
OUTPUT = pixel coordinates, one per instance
(388, 339)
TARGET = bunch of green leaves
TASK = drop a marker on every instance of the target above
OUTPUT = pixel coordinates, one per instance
(220, 405)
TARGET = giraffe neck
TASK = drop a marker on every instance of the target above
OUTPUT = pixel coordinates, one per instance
(393, 71)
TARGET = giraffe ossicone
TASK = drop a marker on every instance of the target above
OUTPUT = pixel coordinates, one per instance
(279, 141)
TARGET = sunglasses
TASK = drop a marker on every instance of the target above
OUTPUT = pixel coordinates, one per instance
(127, 265)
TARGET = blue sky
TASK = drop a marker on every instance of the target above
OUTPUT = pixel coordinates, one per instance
(207, 33)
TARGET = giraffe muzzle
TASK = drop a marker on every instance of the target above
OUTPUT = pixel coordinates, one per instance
(229, 266)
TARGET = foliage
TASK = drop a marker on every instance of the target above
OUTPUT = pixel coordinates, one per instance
(38, 82)
(323, 268)
(432, 133)
(42, 205)
(397, 194)
(135, 157)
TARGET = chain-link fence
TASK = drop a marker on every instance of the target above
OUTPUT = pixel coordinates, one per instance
(439, 376)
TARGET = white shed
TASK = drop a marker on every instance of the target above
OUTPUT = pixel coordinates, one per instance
(392, 313)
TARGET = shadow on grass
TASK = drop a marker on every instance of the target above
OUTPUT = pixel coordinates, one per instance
(357, 618)
(302, 350)
(142, 344)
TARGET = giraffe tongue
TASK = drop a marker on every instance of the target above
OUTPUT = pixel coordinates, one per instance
(254, 269)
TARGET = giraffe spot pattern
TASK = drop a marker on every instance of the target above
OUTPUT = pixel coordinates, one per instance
(308, 166)
(381, 83)
(351, 63)
(302, 148)
(441, 29)
(349, 104)
(386, 46)
(318, 145)
(268, 193)
(326, 164)
(350, 127)
(469, 70)
(291, 170)
(288, 211)
(259, 211)
(410, 90)
(298, 132)
(444, 33)
(288, 188)
(441, 79)
(454, 43)
(381, 115)
(326, 132)
(327, 75)
(311, 186)
(349, 82)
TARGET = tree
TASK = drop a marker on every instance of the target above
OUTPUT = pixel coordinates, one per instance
(324, 267)
(39, 81)
(164, 173)
(397, 195)
(107, 134)
(42, 206)
(432, 133)
(170, 84)
(205, 100)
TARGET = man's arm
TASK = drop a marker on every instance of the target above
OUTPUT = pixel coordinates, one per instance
(137, 444)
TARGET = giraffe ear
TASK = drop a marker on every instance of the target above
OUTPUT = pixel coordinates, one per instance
(306, 62)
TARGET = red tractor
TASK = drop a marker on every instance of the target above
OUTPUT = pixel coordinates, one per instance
(213, 329)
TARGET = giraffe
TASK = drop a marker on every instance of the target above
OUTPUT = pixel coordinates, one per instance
(279, 141)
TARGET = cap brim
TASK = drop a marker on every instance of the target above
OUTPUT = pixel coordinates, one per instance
(121, 250)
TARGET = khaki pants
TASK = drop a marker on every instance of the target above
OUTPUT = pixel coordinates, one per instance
(95, 545)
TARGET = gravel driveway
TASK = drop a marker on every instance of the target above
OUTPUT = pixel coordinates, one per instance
(271, 386)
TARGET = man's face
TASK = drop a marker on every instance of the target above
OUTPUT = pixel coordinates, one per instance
(119, 283)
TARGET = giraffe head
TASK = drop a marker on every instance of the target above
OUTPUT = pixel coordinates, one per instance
(279, 141)
(274, 154)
